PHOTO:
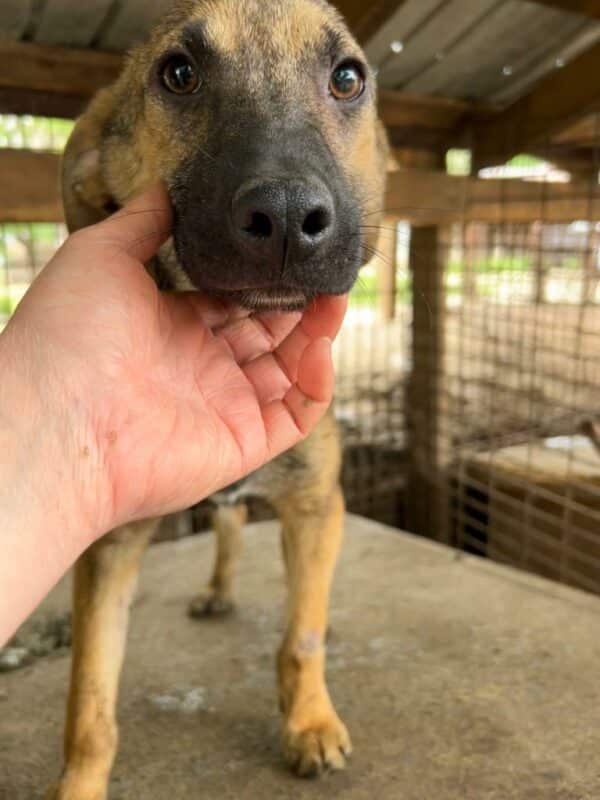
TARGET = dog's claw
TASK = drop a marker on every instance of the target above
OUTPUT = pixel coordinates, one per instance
(312, 751)
(209, 604)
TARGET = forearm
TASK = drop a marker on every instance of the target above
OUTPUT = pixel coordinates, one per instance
(42, 527)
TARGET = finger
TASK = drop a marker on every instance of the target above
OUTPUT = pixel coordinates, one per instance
(322, 320)
(141, 227)
(268, 379)
(252, 337)
(288, 420)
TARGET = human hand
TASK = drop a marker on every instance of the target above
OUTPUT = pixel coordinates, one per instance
(140, 403)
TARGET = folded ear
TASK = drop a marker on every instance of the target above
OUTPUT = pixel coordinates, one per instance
(86, 197)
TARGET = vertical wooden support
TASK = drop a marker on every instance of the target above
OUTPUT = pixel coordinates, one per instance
(591, 275)
(470, 237)
(427, 420)
(535, 246)
(387, 266)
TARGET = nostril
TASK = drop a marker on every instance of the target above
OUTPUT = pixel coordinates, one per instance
(316, 222)
(260, 226)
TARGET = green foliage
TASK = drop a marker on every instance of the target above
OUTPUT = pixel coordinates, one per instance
(458, 162)
(524, 160)
(34, 133)
(489, 266)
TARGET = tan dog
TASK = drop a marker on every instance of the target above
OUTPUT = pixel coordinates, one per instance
(260, 117)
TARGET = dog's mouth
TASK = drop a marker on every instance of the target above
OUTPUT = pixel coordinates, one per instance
(270, 298)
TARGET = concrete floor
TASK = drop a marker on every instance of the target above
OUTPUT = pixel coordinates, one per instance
(458, 679)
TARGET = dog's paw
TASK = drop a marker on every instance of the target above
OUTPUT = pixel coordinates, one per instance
(210, 604)
(312, 749)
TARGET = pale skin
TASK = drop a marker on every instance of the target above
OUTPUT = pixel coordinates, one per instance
(120, 403)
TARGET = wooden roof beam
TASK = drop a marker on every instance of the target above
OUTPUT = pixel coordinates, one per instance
(366, 18)
(51, 81)
(424, 122)
(587, 8)
(563, 97)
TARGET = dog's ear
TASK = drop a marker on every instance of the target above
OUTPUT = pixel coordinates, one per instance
(86, 198)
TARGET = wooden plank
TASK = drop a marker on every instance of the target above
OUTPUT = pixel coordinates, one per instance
(426, 123)
(41, 104)
(131, 23)
(403, 109)
(30, 186)
(428, 198)
(71, 24)
(387, 266)
(29, 189)
(588, 8)
(557, 102)
(365, 19)
(14, 18)
(584, 133)
(71, 72)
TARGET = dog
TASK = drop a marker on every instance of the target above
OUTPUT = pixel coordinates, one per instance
(260, 117)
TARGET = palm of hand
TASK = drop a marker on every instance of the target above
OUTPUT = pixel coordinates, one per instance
(182, 396)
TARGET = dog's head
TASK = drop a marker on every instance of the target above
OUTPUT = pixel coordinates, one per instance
(260, 117)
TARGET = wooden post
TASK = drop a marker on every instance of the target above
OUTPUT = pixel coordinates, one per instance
(536, 246)
(591, 275)
(427, 422)
(387, 265)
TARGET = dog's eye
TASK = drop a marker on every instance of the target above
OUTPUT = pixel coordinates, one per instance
(180, 75)
(347, 82)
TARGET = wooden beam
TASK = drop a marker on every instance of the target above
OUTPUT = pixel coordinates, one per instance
(587, 8)
(366, 18)
(433, 198)
(30, 187)
(563, 97)
(41, 104)
(54, 80)
(30, 192)
(403, 109)
(427, 123)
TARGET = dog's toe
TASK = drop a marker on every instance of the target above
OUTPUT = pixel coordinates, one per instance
(314, 750)
(209, 604)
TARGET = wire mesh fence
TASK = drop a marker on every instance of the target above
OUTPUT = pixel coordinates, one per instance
(523, 394)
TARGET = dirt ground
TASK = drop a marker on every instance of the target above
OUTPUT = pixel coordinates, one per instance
(459, 680)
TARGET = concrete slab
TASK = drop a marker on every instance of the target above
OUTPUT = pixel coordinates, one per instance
(458, 679)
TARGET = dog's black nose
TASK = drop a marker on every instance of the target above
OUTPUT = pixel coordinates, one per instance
(275, 220)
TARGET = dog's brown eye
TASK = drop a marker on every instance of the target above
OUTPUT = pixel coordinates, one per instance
(181, 76)
(347, 82)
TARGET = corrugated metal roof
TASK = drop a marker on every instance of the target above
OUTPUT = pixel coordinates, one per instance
(103, 24)
(479, 50)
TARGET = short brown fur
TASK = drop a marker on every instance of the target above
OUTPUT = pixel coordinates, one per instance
(125, 141)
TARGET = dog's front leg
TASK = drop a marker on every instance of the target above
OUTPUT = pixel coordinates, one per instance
(217, 598)
(105, 579)
(314, 738)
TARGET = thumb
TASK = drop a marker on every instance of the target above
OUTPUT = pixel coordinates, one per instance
(141, 227)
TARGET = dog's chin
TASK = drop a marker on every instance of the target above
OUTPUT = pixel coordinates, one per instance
(268, 299)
